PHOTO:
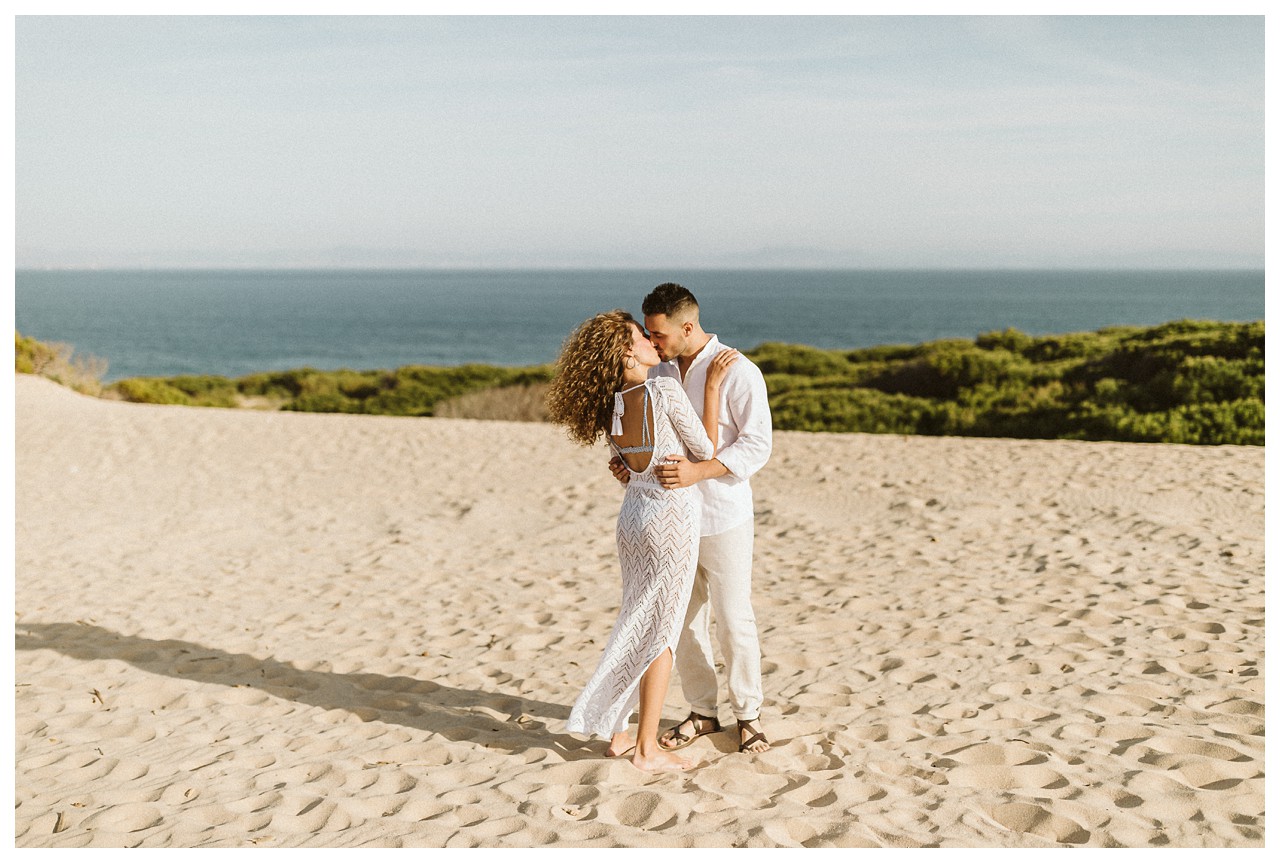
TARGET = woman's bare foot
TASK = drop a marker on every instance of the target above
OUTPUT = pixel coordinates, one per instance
(620, 744)
(660, 760)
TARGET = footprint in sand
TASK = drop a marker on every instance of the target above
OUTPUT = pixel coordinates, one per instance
(644, 810)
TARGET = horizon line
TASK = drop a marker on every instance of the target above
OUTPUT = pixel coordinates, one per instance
(629, 268)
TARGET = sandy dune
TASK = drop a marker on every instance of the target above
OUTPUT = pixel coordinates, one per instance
(238, 628)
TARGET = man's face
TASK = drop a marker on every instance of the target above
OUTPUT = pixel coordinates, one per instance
(667, 336)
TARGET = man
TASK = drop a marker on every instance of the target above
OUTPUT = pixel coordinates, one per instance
(723, 578)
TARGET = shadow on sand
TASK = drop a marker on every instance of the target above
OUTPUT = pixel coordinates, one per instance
(493, 720)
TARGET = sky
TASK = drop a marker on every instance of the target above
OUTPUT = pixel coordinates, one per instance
(575, 141)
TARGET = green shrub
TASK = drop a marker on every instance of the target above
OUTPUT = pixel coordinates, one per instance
(1010, 340)
(58, 362)
(207, 390)
(1204, 379)
(156, 391)
(858, 410)
(1181, 382)
(1185, 382)
(281, 385)
(32, 357)
(323, 403)
(884, 353)
(776, 358)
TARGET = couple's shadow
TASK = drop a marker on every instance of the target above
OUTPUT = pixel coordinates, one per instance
(493, 720)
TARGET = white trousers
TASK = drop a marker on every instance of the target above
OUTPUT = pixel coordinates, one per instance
(722, 583)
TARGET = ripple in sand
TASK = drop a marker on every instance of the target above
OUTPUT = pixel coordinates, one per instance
(244, 695)
(1003, 754)
(377, 806)
(1215, 776)
(210, 815)
(321, 775)
(309, 815)
(1038, 821)
(497, 828)
(381, 781)
(423, 809)
(864, 734)
(1219, 702)
(588, 772)
(259, 803)
(126, 818)
(1193, 746)
(1006, 778)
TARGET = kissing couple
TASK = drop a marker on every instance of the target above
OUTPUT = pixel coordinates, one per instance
(687, 419)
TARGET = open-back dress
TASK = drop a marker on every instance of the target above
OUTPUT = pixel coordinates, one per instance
(657, 538)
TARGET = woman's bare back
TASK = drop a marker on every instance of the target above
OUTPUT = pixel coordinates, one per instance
(635, 444)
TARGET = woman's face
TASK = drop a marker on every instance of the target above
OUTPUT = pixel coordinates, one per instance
(642, 349)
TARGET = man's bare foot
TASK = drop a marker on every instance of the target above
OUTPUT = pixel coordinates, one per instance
(660, 760)
(620, 744)
(750, 737)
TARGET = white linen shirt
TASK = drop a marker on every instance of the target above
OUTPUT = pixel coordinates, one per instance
(746, 434)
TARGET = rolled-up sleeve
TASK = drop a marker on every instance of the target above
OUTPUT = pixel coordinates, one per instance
(748, 403)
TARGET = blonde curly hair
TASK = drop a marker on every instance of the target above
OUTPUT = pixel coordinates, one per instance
(588, 373)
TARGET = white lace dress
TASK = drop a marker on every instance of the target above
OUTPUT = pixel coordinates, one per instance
(658, 550)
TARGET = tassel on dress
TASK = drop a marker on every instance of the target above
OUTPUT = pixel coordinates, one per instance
(618, 409)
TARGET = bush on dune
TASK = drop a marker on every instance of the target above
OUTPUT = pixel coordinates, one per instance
(1180, 382)
(151, 391)
(519, 402)
(58, 362)
(406, 391)
(852, 409)
(1197, 382)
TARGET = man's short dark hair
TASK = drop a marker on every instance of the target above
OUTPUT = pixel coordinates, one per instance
(671, 300)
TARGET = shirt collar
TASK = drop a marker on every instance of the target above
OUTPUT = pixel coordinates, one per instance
(709, 350)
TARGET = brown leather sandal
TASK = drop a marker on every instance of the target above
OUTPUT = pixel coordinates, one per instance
(673, 739)
(757, 736)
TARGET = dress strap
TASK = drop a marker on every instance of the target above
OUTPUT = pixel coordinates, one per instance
(619, 408)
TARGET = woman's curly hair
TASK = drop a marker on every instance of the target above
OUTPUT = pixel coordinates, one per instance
(588, 373)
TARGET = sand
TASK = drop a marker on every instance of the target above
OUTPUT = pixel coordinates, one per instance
(240, 628)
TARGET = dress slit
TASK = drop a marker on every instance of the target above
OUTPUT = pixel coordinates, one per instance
(657, 539)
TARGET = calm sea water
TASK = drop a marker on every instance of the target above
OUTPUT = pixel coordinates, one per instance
(237, 322)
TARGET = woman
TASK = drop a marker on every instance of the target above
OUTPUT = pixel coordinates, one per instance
(602, 386)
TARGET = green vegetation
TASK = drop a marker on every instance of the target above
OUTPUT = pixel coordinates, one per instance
(407, 391)
(1182, 382)
(58, 362)
(1197, 382)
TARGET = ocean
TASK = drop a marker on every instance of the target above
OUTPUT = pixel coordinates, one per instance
(234, 322)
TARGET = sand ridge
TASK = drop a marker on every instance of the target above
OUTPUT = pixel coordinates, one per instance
(240, 628)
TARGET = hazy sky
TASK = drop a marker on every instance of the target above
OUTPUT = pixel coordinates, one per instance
(623, 141)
